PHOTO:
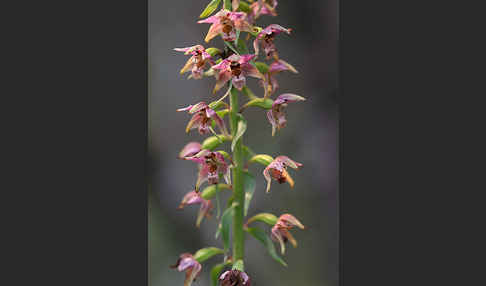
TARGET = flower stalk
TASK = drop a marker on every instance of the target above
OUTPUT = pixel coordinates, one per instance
(238, 191)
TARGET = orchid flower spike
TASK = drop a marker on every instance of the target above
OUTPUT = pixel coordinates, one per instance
(277, 170)
(202, 118)
(270, 84)
(196, 62)
(280, 231)
(193, 198)
(211, 164)
(276, 114)
(190, 265)
(226, 23)
(265, 39)
(236, 68)
(263, 7)
(235, 278)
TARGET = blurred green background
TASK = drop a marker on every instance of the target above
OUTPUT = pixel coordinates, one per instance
(310, 137)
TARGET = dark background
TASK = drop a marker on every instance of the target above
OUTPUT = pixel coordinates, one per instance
(311, 138)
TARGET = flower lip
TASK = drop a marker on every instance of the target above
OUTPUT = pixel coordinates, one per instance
(234, 278)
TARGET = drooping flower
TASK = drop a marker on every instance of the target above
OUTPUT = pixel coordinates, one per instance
(277, 170)
(236, 68)
(280, 231)
(262, 7)
(276, 114)
(226, 23)
(211, 164)
(190, 265)
(202, 118)
(265, 39)
(270, 84)
(191, 149)
(193, 198)
(235, 278)
(197, 61)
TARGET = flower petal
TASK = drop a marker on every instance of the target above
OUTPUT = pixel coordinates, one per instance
(289, 162)
(195, 122)
(213, 31)
(191, 149)
(222, 78)
(188, 66)
(288, 218)
(249, 70)
(286, 98)
(268, 178)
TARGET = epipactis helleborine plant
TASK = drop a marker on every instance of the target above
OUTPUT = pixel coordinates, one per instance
(232, 65)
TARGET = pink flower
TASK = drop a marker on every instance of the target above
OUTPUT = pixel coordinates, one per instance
(211, 164)
(194, 197)
(276, 114)
(197, 61)
(262, 7)
(235, 278)
(202, 118)
(236, 68)
(266, 37)
(270, 84)
(187, 263)
(280, 231)
(226, 23)
(277, 170)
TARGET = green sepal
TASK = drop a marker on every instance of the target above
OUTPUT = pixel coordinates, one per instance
(205, 253)
(263, 159)
(267, 218)
(265, 103)
(213, 51)
(262, 67)
(210, 191)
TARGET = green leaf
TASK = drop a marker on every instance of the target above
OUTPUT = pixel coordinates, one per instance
(213, 5)
(267, 218)
(240, 130)
(242, 48)
(216, 271)
(224, 227)
(262, 67)
(239, 265)
(210, 191)
(263, 159)
(244, 7)
(205, 253)
(213, 51)
(267, 242)
(249, 185)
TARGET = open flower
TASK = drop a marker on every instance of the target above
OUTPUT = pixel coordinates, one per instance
(270, 83)
(190, 265)
(193, 198)
(226, 23)
(277, 170)
(280, 231)
(276, 114)
(211, 164)
(197, 61)
(265, 39)
(262, 7)
(235, 278)
(236, 68)
(202, 118)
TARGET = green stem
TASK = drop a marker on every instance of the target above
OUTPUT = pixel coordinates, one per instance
(238, 191)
